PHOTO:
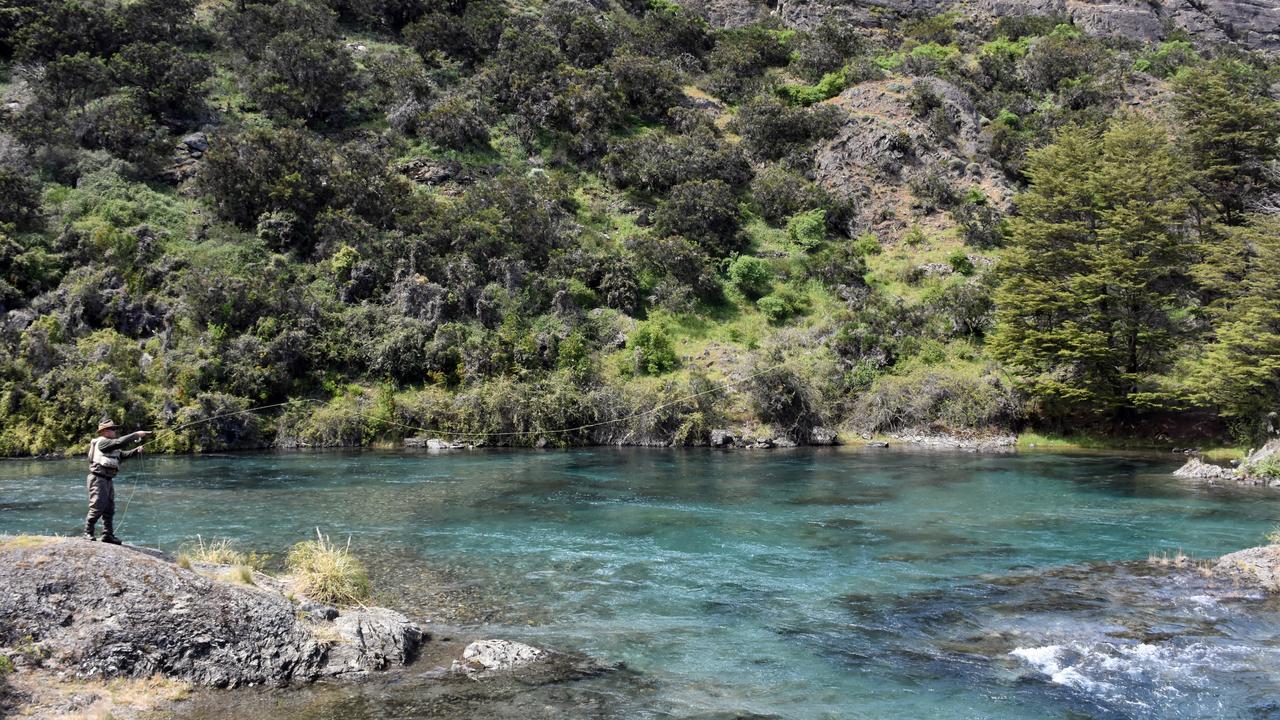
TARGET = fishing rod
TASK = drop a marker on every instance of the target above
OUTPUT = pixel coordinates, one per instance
(453, 433)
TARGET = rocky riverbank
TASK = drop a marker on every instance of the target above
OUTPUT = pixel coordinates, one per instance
(83, 624)
(1260, 467)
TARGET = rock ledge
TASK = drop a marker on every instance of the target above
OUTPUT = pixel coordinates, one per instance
(93, 610)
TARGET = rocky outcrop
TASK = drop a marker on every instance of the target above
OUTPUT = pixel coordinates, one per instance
(1254, 24)
(1257, 567)
(434, 444)
(101, 611)
(969, 442)
(884, 147)
(1198, 469)
(1256, 469)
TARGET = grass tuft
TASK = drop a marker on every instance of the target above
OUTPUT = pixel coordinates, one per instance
(327, 572)
(220, 552)
(1273, 535)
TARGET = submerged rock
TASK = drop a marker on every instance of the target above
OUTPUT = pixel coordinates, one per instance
(497, 656)
(102, 611)
(525, 664)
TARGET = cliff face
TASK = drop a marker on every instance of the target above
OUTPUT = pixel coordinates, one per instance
(1254, 24)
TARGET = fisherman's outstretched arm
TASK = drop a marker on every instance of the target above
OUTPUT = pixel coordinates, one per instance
(109, 444)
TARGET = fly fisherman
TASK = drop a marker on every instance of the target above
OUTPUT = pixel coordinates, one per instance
(105, 454)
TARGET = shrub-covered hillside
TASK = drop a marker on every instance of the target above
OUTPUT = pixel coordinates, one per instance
(479, 216)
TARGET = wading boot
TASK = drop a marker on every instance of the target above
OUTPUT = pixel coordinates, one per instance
(111, 539)
(88, 532)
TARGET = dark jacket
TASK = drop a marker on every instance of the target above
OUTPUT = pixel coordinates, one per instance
(105, 454)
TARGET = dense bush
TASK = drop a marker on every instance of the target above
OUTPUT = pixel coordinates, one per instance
(779, 193)
(705, 212)
(656, 162)
(771, 129)
(651, 350)
(302, 76)
(752, 276)
(269, 174)
(927, 396)
(785, 400)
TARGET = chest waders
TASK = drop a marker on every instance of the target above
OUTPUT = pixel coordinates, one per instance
(103, 467)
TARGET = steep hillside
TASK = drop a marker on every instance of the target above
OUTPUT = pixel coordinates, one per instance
(497, 220)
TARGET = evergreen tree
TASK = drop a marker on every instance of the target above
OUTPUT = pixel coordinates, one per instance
(1239, 373)
(1231, 130)
(1094, 280)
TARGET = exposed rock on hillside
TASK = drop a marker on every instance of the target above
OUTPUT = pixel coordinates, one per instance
(884, 147)
(98, 610)
(1255, 24)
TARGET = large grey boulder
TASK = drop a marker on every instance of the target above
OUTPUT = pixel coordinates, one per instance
(1198, 469)
(1258, 567)
(98, 610)
(371, 639)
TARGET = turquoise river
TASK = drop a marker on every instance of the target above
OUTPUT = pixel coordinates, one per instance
(813, 583)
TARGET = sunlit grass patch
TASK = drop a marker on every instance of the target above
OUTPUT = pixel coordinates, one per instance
(220, 552)
(14, 542)
(327, 572)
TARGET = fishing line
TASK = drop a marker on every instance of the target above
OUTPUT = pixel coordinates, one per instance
(451, 433)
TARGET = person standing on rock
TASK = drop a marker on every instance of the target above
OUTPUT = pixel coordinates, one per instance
(105, 454)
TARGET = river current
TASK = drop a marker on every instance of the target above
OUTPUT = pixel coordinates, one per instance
(814, 583)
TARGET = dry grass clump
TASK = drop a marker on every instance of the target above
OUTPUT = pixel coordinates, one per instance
(14, 542)
(327, 572)
(1273, 535)
(221, 552)
(1181, 560)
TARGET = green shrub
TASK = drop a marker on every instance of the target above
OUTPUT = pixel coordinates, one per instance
(929, 395)
(782, 305)
(829, 86)
(1167, 58)
(752, 276)
(785, 400)
(960, 263)
(328, 573)
(6, 665)
(808, 229)
(652, 352)
(1269, 467)
(867, 244)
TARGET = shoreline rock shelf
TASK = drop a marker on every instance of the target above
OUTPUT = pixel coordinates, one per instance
(91, 611)
(1250, 472)
(95, 610)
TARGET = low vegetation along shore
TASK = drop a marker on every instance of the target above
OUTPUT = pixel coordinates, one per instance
(497, 220)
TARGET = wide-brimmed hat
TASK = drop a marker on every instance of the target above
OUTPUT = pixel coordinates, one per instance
(106, 424)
